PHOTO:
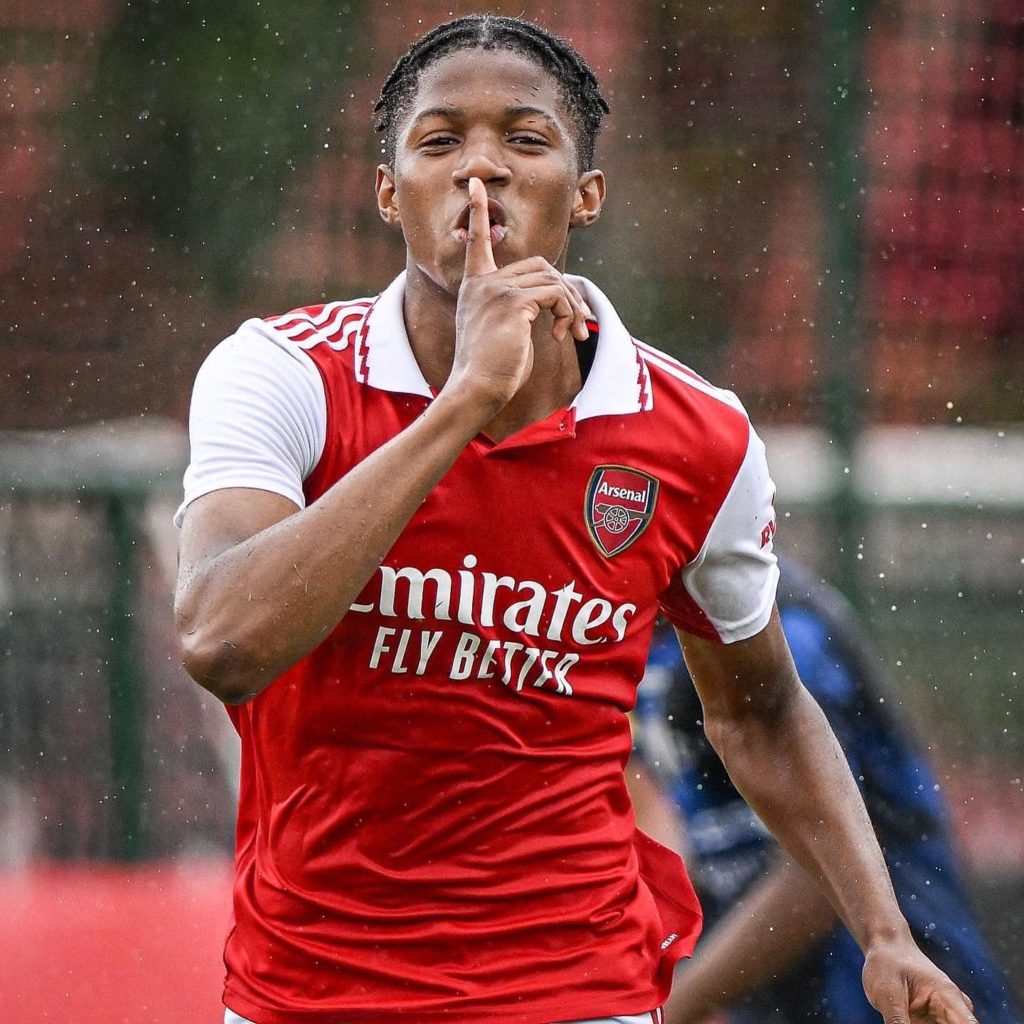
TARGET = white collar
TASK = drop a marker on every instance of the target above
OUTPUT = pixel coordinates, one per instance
(616, 385)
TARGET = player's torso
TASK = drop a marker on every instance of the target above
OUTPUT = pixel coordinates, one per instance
(532, 570)
(485, 670)
(511, 619)
(454, 750)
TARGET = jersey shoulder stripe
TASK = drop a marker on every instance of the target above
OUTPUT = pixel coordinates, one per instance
(335, 324)
(645, 396)
(678, 371)
(668, 361)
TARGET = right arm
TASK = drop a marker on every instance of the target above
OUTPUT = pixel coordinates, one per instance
(261, 583)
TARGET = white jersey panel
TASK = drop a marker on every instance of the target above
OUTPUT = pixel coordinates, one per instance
(734, 577)
(258, 417)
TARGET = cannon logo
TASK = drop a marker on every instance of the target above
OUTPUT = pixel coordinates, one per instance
(619, 505)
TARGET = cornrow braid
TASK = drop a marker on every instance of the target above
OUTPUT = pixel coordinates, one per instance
(577, 82)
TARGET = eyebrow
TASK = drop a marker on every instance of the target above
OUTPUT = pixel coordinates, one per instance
(450, 112)
(514, 112)
(453, 113)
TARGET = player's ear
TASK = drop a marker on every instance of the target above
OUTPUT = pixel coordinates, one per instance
(588, 199)
(387, 197)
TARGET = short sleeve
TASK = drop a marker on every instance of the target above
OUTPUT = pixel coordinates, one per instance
(258, 417)
(727, 592)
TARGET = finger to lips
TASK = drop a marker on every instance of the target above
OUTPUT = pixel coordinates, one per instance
(479, 255)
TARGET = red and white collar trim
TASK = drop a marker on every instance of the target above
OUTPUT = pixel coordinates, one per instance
(618, 382)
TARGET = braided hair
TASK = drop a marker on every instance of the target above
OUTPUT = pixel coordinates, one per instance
(577, 82)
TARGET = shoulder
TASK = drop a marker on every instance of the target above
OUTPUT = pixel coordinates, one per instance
(335, 325)
(326, 335)
(629, 375)
(683, 384)
(309, 342)
(705, 418)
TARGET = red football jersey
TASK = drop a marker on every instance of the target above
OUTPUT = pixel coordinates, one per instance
(433, 820)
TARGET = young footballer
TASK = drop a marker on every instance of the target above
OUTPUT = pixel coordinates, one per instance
(424, 539)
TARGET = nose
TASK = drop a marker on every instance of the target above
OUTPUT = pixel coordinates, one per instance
(481, 158)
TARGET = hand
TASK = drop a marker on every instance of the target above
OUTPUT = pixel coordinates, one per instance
(905, 986)
(497, 309)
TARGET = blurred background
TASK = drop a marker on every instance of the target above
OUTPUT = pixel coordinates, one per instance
(818, 204)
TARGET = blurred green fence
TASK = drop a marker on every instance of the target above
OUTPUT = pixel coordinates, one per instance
(106, 751)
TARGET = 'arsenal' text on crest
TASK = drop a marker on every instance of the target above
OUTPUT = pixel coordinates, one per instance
(619, 505)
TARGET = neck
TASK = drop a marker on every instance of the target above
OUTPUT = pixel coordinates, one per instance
(430, 325)
(429, 312)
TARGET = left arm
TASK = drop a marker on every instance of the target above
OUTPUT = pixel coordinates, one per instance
(784, 758)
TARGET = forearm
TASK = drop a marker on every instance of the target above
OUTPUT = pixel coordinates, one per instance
(790, 768)
(784, 758)
(773, 926)
(254, 609)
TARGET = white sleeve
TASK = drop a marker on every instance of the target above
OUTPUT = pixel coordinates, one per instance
(734, 576)
(258, 417)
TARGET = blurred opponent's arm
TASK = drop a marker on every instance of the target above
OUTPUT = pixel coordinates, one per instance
(770, 929)
(654, 811)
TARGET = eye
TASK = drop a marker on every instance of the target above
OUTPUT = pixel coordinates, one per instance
(523, 138)
(440, 140)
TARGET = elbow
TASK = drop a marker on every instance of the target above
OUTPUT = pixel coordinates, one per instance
(724, 735)
(765, 725)
(227, 670)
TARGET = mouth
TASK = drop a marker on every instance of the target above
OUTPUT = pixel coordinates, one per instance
(496, 217)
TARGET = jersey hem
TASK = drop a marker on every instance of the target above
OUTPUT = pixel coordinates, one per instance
(541, 1014)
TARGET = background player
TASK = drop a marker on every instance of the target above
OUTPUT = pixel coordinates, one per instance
(773, 949)
(357, 573)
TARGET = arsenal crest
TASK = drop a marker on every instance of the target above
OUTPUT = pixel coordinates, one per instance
(619, 505)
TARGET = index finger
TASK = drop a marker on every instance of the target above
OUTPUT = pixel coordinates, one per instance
(479, 255)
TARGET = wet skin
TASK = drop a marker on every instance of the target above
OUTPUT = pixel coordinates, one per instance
(486, 189)
(497, 116)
